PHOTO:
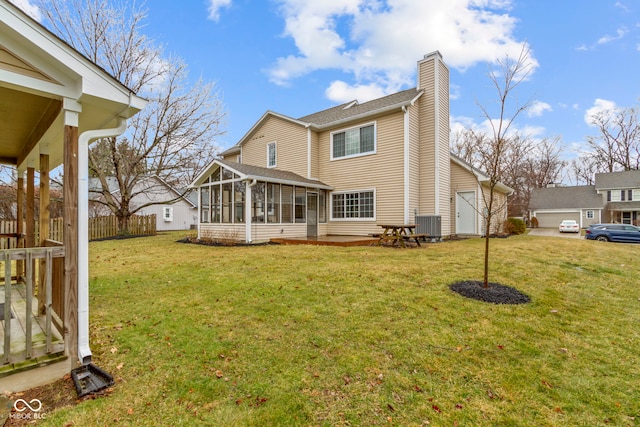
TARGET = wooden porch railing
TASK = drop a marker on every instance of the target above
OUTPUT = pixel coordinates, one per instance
(54, 282)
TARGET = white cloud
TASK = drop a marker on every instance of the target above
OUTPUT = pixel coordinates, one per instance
(600, 106)
(215, 6)
(339, 91)
(30, 9)
(538, 108)
(620, 33)
(379, 43)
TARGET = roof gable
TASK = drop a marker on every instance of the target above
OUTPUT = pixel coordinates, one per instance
(574, 197)
(337, 115)
(618, 180)
(353, 110)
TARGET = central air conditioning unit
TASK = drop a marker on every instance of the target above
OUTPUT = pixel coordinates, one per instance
(431, 225)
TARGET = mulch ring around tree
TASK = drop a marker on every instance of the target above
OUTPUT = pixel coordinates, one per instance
(495, 293)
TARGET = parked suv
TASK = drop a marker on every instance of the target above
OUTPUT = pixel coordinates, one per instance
(613, 233)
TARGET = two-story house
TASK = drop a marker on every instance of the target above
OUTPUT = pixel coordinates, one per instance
(615, 197)
(344, 170)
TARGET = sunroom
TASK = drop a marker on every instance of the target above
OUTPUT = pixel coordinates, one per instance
(239, 202)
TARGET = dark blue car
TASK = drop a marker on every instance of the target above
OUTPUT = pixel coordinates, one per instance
(614, 233)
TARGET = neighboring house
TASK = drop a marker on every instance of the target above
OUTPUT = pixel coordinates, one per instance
(621, 194)
(180, 214)
(54, 102)
(554, 204)
(615, 197)
(344, 170)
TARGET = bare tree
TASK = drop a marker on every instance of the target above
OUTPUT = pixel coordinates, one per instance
(173, 138)
(491, 153)
(617, 147)
(584, 169)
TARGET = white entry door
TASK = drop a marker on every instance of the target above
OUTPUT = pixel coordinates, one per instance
(466, 212)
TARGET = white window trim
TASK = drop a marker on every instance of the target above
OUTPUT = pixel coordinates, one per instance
(169, 210)
(375, 208)
(590, 212)
(351, 156)
(275, 156)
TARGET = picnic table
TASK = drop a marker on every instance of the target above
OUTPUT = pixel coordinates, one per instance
(399, 234)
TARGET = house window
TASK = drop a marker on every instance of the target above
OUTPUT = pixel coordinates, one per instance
(616, 196)
(271, 155)
(355, 205)
(353, 142)
(590, 214)
(167, 213)
(636, 195)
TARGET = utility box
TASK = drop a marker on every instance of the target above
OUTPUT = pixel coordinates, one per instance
(431, 225)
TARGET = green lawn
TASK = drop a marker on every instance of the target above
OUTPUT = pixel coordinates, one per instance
(327, 336)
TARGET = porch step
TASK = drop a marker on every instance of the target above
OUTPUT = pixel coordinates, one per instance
(33, 363)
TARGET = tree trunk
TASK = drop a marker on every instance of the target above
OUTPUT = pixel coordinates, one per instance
(486, 250)
(123, 224)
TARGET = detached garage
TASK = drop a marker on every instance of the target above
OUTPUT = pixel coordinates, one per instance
(553, 204)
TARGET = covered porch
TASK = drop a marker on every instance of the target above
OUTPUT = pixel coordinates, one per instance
(53, 102)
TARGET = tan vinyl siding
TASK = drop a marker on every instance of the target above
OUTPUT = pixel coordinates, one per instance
(233, 158)
(382, 172)
(291, 145)
(444, 147)
(414, 161)
(500, 209)
(264, 232)
(462, 180)
(234, 232)
(315, 156)
(427, 137)
(10, 62)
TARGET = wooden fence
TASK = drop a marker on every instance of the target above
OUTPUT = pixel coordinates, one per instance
(99, 228)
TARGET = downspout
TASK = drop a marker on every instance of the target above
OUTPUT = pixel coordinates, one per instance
(84, 352)
(200, 208)
(247, 211)
(309, 157)
(407, 193)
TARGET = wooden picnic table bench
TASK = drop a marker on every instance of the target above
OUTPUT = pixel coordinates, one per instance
(397, 234)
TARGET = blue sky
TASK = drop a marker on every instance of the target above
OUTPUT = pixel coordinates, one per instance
(297, 57)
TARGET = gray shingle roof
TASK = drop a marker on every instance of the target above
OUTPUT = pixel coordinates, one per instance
(618, 180)
(353, 109)
(272, 175)
(576, 197)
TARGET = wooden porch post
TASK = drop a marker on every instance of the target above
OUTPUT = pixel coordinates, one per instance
(44, 226)
(20, 272)
(71, 242)
(30, 241)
